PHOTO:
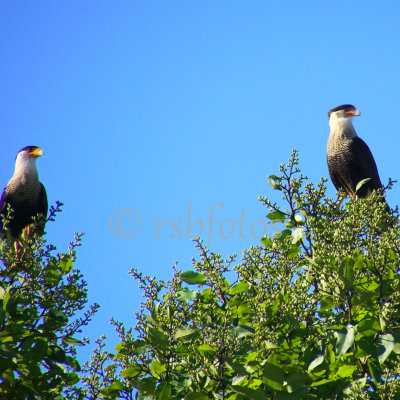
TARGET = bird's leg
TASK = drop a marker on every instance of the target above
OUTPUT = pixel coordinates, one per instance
(16, 248)
(26, 232)
(342, 199)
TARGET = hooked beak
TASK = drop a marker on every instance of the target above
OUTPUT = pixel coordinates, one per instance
(37, 152)
(353, 113)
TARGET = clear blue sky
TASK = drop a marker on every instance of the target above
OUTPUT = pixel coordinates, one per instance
(162, 107)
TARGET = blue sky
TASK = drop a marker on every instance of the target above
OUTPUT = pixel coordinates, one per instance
(172, 110)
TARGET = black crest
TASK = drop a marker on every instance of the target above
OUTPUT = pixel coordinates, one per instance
(346, 107)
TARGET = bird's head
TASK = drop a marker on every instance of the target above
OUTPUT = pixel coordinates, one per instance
(342, 115)
(25, 162)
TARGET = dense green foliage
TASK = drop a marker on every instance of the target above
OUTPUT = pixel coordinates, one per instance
(313, 312)
(40, 295)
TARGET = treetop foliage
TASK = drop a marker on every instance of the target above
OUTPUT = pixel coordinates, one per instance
(40, 295)
(313, 312)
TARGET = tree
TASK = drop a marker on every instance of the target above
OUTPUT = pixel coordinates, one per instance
(40, 295)
(313, 313)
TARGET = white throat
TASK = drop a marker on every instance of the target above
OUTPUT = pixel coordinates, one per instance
(25, 165)
(342, 126)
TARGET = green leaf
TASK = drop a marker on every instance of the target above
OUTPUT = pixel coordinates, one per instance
(251, 394)
(2, 316)
(186, 333)
(282, 235)
(345, 371)
(273, 376)
(346, 272)
(131, 372)
(396, 348)
(238, 379)
(345, 339)
(39, 350)
(6, 298)
(296, 381)
(147, 385)
(206, 349)
(243, 331)
(121, 348)
(386, 344)
(52, 275)
(56, 353)
(240, 287)
(267, 242)
(276, 216)
(284, 395)
(270, 345)
(196, 396)
(244, 309)
(139, 346)
(365, 347)
(375, 370)
(322, 382)
(163, 391)
(6, 364)
(72, 362)
(73, 341)
(275, 182)
(58, 316)
(293, 251)
(275, 177)
(158, 337)
(186, 295)
(369, 327)
(362, 183)
(297, 395)
(114, 388)
(72, 378)
(157, 368)
(237, 367)
(65, 263)
(192, 277)
(315, 363)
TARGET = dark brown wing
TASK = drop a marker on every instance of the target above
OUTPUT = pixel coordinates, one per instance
(3, 207)
(353, 163)
(24, 209)
(362, 166)
(43, 206)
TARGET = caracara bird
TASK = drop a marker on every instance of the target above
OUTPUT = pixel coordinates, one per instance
(350, 160)
(24, 197)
